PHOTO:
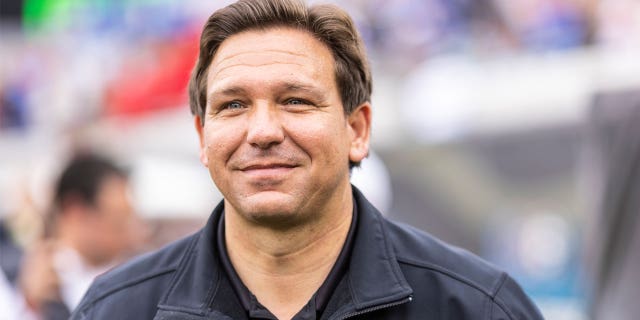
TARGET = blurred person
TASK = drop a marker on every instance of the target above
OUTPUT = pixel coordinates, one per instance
(612, 166)
(93, 225)
(280, 96)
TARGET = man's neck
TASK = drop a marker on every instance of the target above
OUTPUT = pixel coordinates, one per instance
(284, 268)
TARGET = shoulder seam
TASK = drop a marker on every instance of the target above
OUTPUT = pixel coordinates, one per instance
(130, 283)
(180, 267)
(491, 295)
(497, 301)
(446, 272)
(85, 307)
(499, 284)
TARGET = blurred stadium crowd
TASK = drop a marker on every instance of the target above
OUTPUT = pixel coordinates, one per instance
(489, 115)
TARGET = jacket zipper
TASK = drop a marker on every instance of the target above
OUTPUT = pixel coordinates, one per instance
(378, 307)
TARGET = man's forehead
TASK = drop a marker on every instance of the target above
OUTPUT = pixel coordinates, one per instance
(244, 57)
(286, 59)
(256, 47)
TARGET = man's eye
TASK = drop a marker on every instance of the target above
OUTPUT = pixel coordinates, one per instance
(296, 101)
(233, 105)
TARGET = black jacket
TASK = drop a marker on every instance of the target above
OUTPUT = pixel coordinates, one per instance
(395, 272)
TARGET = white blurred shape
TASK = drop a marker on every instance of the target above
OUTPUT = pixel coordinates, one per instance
(372, 178)
(543, 245)
(437, 98)
(171, 188)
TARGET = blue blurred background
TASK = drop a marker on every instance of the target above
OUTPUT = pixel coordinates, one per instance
(482, 126)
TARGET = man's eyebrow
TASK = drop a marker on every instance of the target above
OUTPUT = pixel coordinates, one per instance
(231, 91)
(296, 86)
(293, 87)
(280, 88)
(235, 90)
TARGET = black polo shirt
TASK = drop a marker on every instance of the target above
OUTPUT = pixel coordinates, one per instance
(316, 305)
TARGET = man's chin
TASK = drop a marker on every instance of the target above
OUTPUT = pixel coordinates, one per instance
(276, 213)
(277, 221)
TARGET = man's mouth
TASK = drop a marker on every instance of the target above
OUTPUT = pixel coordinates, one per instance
(267, 166)
(264, 172)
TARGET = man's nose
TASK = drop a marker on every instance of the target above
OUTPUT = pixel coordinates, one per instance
(264, 127)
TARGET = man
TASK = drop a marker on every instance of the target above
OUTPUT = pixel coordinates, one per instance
(92, 226)
(280, 95)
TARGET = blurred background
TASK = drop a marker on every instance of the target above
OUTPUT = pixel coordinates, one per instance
(509, 128)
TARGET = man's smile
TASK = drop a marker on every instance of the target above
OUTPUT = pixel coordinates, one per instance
(268, 171)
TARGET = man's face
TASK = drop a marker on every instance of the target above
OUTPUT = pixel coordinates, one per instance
(275, 137)
(112, 228)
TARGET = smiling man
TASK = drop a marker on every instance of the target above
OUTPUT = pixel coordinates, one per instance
(281, 102)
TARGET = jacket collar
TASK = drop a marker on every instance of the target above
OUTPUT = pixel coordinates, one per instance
(198, 276)
(374, 274)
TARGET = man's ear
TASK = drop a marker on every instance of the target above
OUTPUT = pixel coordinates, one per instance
(203, 148)
(359, 122)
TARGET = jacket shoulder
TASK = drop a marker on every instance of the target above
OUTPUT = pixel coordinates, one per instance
(419, 248)
(461, 273)
(147, 275)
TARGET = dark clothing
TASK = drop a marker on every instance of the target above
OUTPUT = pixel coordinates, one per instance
(10, 261)
(394, 272)
(317, 303)
(10, 256)
(54, 310)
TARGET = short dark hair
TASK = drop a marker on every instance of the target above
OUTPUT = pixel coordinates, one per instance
(83, 176)
(328, 23)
